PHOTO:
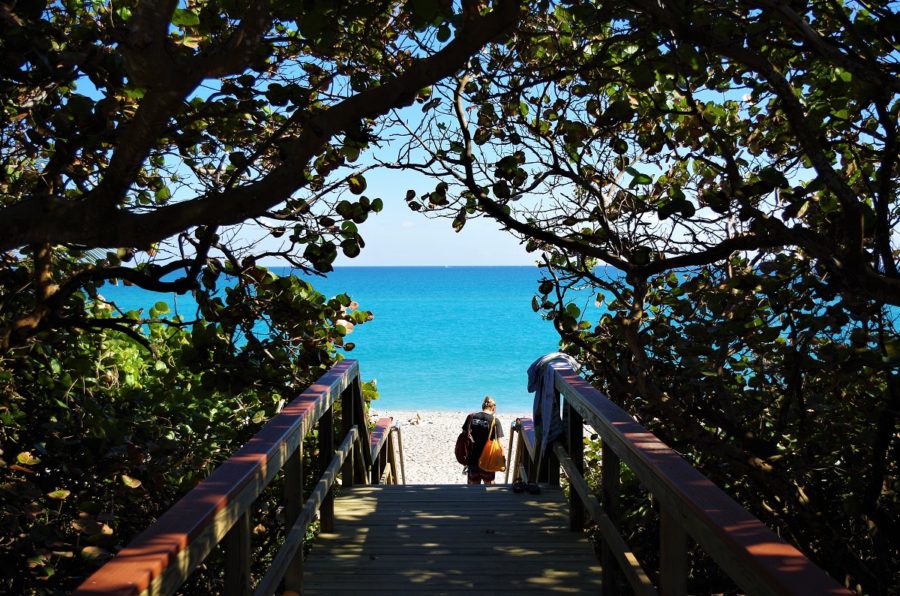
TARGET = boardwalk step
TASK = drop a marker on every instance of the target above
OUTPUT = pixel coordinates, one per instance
(435, 539)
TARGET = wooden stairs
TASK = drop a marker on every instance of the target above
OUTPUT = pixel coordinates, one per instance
(444, 539)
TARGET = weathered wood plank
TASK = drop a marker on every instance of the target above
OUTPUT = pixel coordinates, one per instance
(237, 558)
(450, 538)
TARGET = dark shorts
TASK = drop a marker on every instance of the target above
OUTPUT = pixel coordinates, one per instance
(478, 475)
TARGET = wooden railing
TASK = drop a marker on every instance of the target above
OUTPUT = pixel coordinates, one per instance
(386, 442)
(756, 559)
(218, 511)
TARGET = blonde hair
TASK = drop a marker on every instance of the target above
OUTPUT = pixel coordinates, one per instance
(488, 403)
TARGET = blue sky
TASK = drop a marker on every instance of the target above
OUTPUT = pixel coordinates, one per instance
(399, 236)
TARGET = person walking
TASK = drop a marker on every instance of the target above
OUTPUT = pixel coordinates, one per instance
(480, 424)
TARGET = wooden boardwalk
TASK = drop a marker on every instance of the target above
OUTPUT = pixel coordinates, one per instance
(439, 539)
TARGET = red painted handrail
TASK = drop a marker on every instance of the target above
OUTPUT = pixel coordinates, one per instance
(379, 435)
(145, 559)
(735, 539)
(526, 427)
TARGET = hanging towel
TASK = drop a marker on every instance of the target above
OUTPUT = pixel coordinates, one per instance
(547, 423)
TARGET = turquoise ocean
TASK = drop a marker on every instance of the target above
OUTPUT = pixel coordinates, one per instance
(442, 337)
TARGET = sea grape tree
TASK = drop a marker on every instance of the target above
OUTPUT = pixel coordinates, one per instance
(173, 145)
(131, 124)
(724, 178)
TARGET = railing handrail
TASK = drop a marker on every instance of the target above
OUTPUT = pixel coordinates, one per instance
(385, 441)
(379, 435)
(748, 551)
(159, 558)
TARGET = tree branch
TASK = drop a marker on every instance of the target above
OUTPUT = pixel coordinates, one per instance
(59, 221)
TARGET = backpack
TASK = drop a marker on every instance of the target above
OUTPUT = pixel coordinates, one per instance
(464, 443)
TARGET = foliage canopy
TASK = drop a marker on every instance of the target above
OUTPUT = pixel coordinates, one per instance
(137, 136)
(723, 176)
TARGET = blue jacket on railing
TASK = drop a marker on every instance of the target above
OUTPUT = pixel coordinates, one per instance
(547, 423)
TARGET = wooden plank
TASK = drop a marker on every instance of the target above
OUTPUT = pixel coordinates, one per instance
(362, 426)
(673, 562)
(396, 430)
(237, 558)
(510, 459)
(379, 435)
(396, 473)
(345, 546)
(751, 554)
(348, 421)
(575, 451)
(610, 476)
(526, 427)
(449, 538)
(326, 455)
(293, 504)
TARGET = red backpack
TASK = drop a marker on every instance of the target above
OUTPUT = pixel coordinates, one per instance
(464, 443)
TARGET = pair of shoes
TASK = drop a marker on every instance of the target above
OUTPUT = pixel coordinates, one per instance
(533, 488)
(518, 486)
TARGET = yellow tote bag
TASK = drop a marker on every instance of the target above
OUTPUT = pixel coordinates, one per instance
(492, 458)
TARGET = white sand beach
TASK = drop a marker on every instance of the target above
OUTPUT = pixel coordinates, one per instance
(428, 440)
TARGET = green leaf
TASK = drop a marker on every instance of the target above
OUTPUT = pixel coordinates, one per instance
(185, 18)
(93, 553)
(59, 495)
(130, 482)
(357, 184)
(641, 178)
(163, 194)
(27, 459)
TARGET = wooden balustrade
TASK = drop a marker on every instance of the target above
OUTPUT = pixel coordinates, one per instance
(218, 510)
(386, 442)
(691, 506)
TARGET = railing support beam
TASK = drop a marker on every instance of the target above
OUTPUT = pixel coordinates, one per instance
(326, 452)
(609, 480)
(293, 504)
(237, 557)
(348, 421)
(673, 561)
(575, 449)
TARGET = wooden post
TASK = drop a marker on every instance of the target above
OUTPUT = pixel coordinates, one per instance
(375, 472)
(237, 557)
(326, 452)
(293, 504)
(575, 448)
(348, 419)
(392, 457)
(610, 489)
(673, 562)
(400, 449)
(361, 424)
(509, 453)
(548, 464)
(552, 462)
